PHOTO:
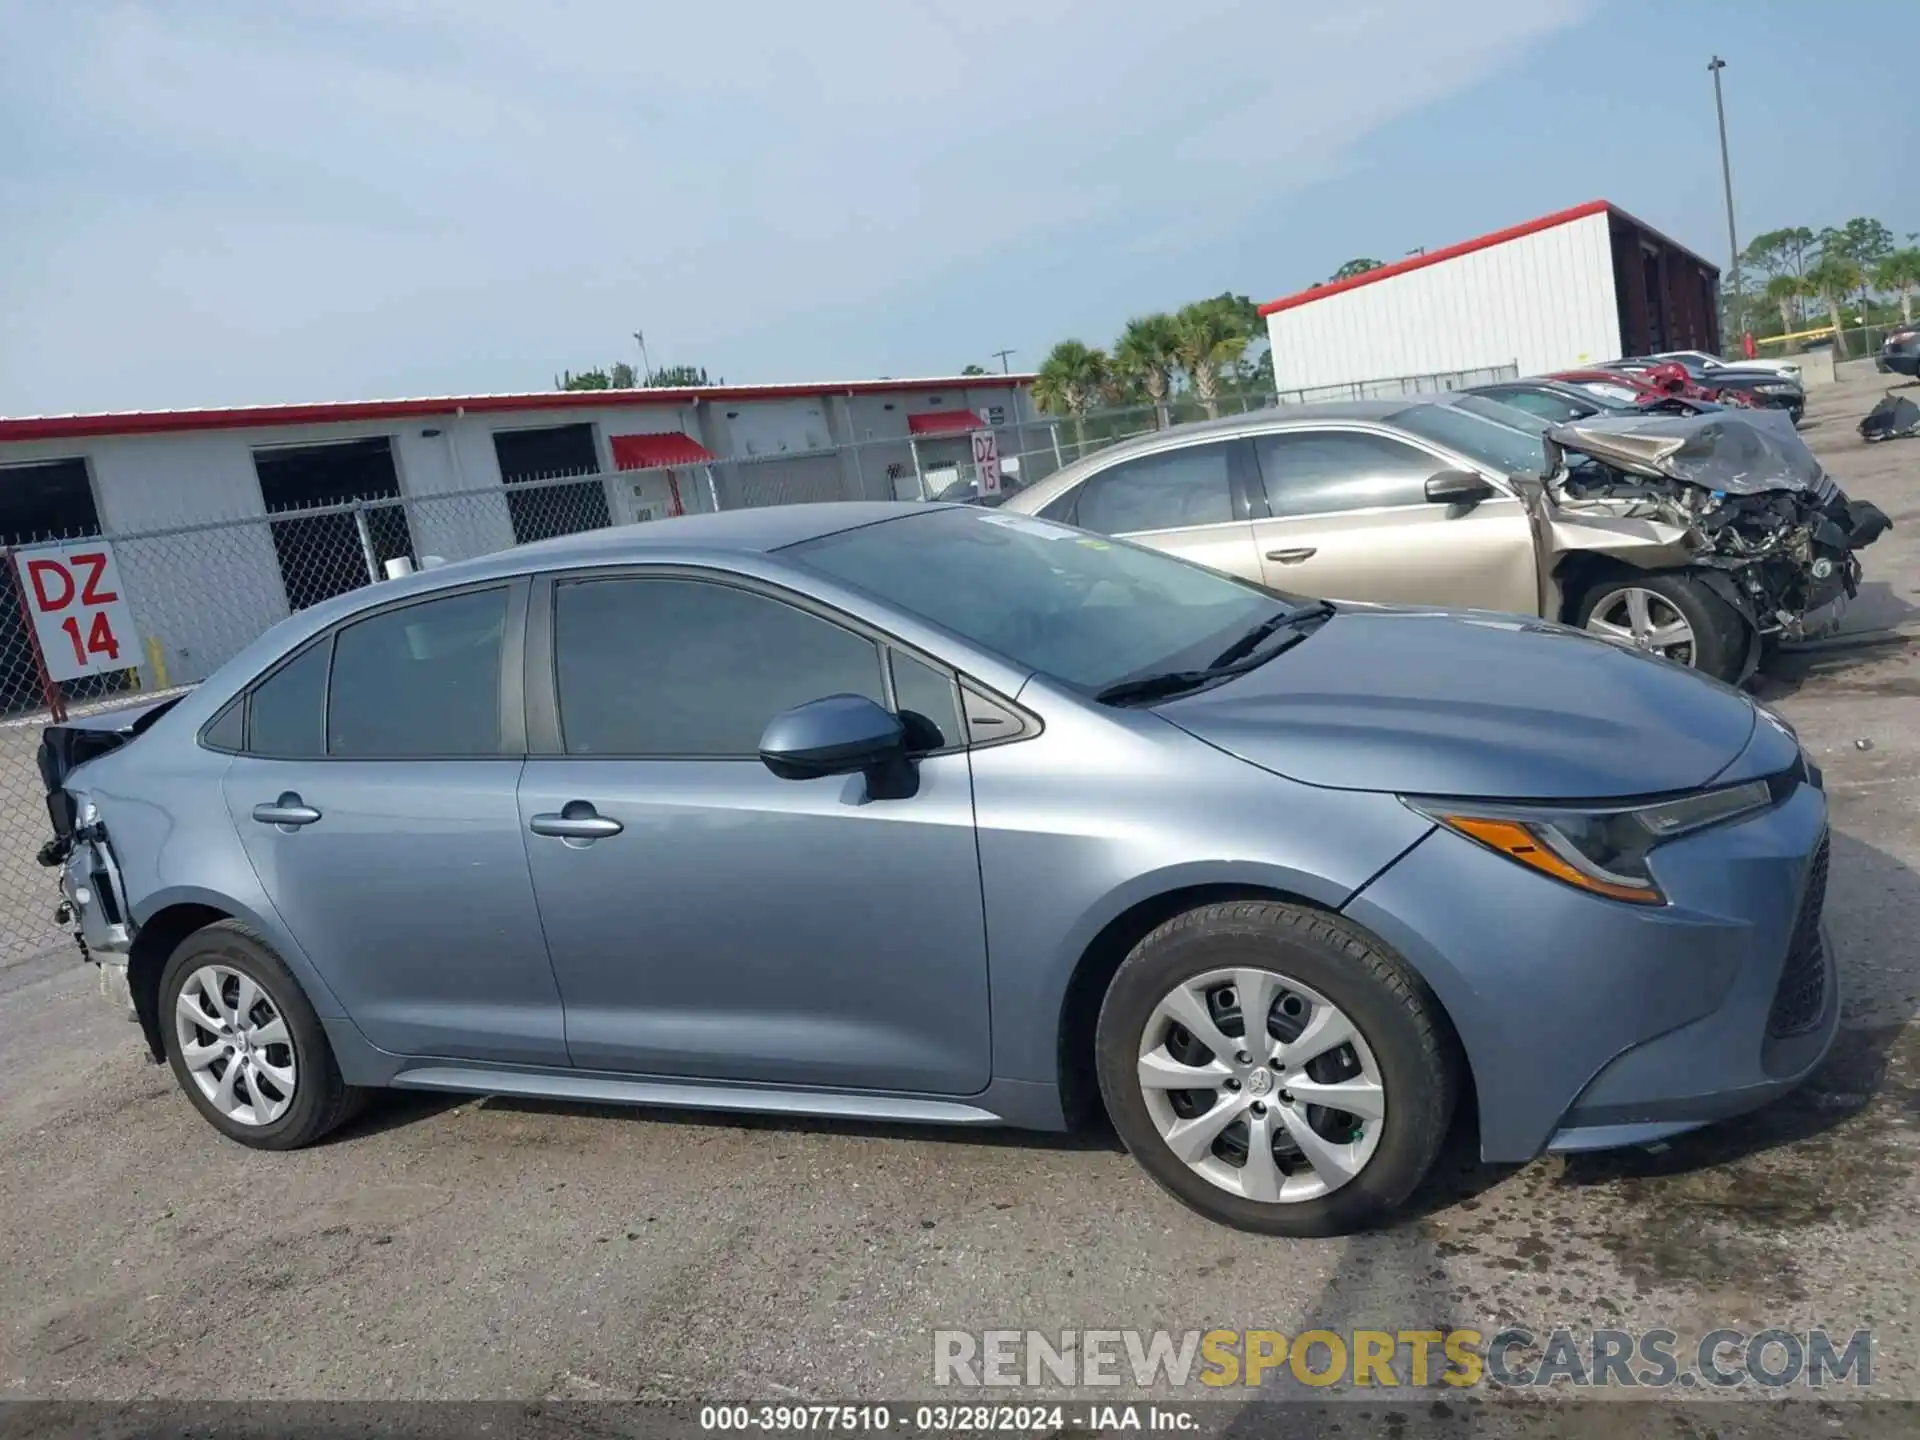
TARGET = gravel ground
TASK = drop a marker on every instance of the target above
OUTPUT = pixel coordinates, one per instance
(493, 1249)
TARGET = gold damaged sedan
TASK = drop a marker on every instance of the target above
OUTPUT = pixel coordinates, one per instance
(1695, 537)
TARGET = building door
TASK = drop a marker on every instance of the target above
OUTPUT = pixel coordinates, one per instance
(47, 500)
(326, 555)
(540, 512)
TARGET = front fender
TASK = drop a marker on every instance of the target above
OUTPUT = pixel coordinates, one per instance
(1098, 816)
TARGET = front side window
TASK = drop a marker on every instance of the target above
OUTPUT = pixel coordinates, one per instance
(1546, 404)
(1169, 491)
(423, 680)
(1316, 472)
(1501, 447)
(1085, 610)
(674, 667)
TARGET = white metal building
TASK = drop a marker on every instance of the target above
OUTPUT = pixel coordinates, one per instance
(1568, 289)
(200, 503)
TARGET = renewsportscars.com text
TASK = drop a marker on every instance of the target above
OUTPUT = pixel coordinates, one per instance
(1514, 1357)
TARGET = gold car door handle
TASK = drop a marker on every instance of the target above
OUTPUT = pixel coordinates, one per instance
(1292, 557)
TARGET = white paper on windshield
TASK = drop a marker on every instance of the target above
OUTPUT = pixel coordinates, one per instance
(1045, 529)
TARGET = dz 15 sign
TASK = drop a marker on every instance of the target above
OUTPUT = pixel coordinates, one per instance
(79, 610)
(986, 462)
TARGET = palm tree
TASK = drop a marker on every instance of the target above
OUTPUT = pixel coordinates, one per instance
(1145, 355)
(1900, 271)
(1785, 291)
(1070, 380)
(1833, 279)
(1208, 336)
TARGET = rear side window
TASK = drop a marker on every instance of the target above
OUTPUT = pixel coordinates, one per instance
(287, 712)
(420, 681)
(1315, 472)
(1169, 491)
(667, 667)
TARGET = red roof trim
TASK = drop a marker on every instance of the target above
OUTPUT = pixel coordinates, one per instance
(155, 422)
(944, 422)
(1451, 252)
(655, 448)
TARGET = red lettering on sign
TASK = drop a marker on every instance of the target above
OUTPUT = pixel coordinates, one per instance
(36, 570)
(100, 639)
(91, 593)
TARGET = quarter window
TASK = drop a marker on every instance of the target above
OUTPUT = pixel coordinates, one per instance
(287, 712)
(669, 667)
(1314, 472)
(928, 702)
(418, 681)
(1169, 491)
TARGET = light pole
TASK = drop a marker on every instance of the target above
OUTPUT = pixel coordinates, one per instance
(1714, 67)
(646, 366)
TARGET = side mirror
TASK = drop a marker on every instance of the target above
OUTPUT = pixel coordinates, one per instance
(837, 735)
(1458, 487)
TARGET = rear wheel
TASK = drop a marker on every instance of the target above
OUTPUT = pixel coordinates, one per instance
(1673, 616)
(1275, 1069)
(245, 1045)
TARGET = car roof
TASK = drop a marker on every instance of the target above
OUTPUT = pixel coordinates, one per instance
(760, 528)
(751, 531)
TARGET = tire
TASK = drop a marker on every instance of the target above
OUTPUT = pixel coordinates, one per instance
(223, 957)
(1718, 635)
(1403, 1044)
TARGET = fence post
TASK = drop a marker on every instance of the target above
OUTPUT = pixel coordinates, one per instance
(919, 475)
(50, 692)
(366, 541)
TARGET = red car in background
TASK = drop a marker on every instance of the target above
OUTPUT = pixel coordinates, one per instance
(1668, 381)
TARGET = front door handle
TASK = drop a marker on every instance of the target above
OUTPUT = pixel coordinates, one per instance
(1292, 557)
(578, 823)
(289, 812)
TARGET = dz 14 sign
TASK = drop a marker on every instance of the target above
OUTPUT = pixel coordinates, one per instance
(79, 610)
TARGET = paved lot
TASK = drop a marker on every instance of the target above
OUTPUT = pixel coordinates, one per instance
(493, 1249)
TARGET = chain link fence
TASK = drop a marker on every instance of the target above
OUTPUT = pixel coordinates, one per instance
(197, 594)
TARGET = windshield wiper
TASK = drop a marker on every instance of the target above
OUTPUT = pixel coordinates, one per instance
(1172, 682)
(1250, 641)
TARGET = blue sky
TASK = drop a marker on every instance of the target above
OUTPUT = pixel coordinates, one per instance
(219, 202)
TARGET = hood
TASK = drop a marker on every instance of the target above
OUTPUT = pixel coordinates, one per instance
(1737, 452)
(1471, 703)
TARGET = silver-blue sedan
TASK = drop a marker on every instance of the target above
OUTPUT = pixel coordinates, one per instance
(930, 813)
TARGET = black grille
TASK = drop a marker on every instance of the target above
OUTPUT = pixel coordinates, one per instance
(1802, 992)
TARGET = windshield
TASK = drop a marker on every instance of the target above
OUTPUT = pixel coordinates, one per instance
(1469, 425)
(1081, 608)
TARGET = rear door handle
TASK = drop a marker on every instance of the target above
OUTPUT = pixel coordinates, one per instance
(1292, 557)
(577, 823)
(289, 812)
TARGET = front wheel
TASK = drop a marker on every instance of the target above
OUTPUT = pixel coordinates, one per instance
(244, 1043)
(1275, 1069)
(1674, 616)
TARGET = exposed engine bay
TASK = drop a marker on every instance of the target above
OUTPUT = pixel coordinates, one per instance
(1736, 496)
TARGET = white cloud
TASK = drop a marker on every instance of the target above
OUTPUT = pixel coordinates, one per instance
(223, 202)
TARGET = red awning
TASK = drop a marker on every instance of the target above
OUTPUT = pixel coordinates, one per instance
(944, 422)
(667, 447)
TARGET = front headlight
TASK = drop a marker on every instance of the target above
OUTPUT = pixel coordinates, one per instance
(1602, 850)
